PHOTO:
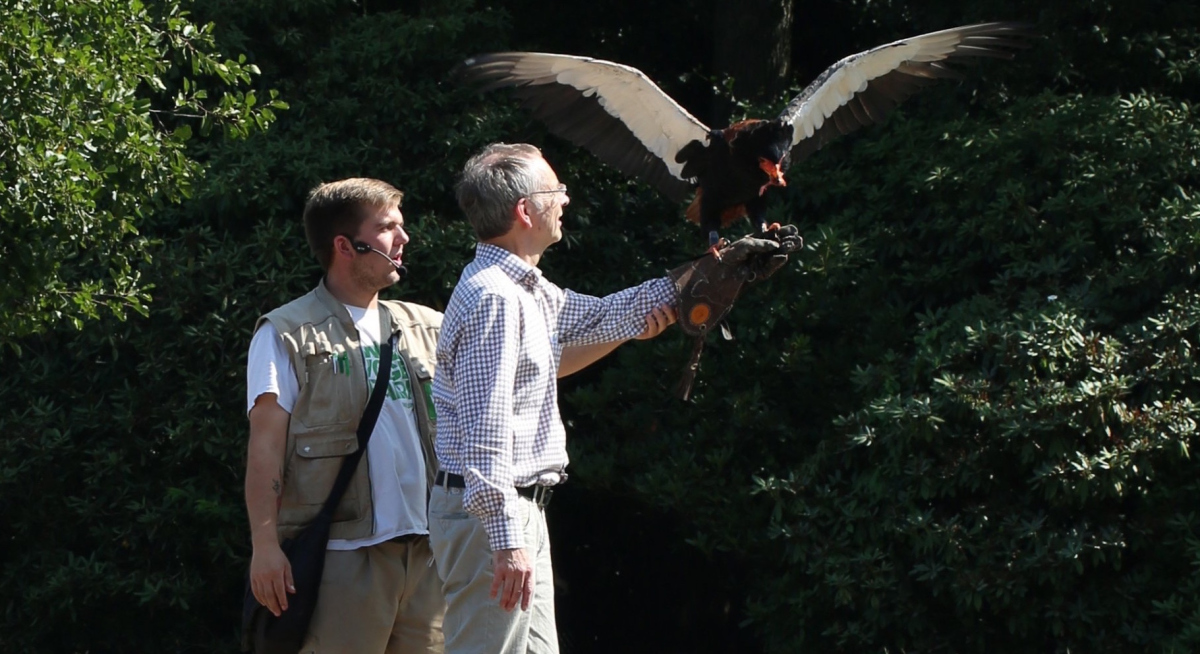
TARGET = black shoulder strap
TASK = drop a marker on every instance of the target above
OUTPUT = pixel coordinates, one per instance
(365, 427)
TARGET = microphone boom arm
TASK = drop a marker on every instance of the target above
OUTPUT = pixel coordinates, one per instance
(363, 248)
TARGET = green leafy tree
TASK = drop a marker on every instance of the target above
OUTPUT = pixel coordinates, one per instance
(98, 100)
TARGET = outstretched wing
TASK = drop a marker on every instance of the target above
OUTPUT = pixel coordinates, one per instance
(614, 111)
(861, 89)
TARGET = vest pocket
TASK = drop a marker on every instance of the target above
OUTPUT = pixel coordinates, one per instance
(326, 393)
(317, 460)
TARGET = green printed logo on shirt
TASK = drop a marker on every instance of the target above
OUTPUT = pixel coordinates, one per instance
(398, 384)
(428, 388)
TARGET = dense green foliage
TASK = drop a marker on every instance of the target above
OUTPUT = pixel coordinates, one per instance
(98, 100)
(1015, 470)
(960, 421)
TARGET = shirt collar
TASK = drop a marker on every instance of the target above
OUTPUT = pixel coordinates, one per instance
(512, 265)
(390, 321)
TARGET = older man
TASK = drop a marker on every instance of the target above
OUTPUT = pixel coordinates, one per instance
(500, 444)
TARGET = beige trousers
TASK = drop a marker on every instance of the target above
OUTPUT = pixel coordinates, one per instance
(475, 623)
(382, 599)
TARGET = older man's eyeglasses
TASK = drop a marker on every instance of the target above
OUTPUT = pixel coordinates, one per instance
(561, 188)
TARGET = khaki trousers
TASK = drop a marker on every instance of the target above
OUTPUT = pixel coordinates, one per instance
(475, 623)
(382, 599)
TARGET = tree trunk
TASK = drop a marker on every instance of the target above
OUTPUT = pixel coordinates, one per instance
(754, 44)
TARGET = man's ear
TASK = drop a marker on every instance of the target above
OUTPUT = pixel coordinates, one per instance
(342, 247)
(521, 214)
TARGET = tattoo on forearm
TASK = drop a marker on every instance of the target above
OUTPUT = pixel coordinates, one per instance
(275, 486)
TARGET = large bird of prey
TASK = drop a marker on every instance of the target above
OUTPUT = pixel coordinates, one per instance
(626, 120)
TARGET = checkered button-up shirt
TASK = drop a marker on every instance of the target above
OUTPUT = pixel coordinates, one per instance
(495, 390)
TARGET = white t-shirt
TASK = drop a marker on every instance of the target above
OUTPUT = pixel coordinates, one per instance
(397, 464)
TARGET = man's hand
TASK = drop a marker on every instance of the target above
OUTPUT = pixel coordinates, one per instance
(271, 577)
(512, 579)
(657, 322)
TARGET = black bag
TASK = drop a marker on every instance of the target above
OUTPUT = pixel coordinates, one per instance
(262, 632)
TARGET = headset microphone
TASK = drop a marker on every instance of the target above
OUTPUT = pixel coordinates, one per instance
(363, 248)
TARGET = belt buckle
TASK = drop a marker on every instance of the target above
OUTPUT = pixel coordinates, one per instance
(542, 495)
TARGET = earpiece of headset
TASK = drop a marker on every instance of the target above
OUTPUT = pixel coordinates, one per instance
(363, 248)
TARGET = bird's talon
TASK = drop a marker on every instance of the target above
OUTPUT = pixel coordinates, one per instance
(768, 230)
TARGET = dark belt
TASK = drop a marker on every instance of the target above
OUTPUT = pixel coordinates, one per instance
(538, 493)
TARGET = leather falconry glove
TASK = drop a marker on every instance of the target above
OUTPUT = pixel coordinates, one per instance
(709, 285)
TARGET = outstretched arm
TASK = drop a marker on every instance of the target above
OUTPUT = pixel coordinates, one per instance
(578, 357)
(587, 320)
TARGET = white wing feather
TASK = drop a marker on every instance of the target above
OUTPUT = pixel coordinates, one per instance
(850, 76)
(625, 93)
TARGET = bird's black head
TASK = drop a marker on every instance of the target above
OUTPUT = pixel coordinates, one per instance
(770, 144)
(777, 142)
(765, 139)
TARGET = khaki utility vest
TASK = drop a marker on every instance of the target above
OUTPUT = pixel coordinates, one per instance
(316, 330)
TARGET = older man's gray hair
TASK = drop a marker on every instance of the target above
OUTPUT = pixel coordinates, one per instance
(492, 183)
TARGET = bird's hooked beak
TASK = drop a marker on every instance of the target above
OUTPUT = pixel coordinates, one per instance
(774, 174)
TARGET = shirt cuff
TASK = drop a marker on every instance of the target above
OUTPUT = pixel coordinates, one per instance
(665, 291)
(504, 532)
